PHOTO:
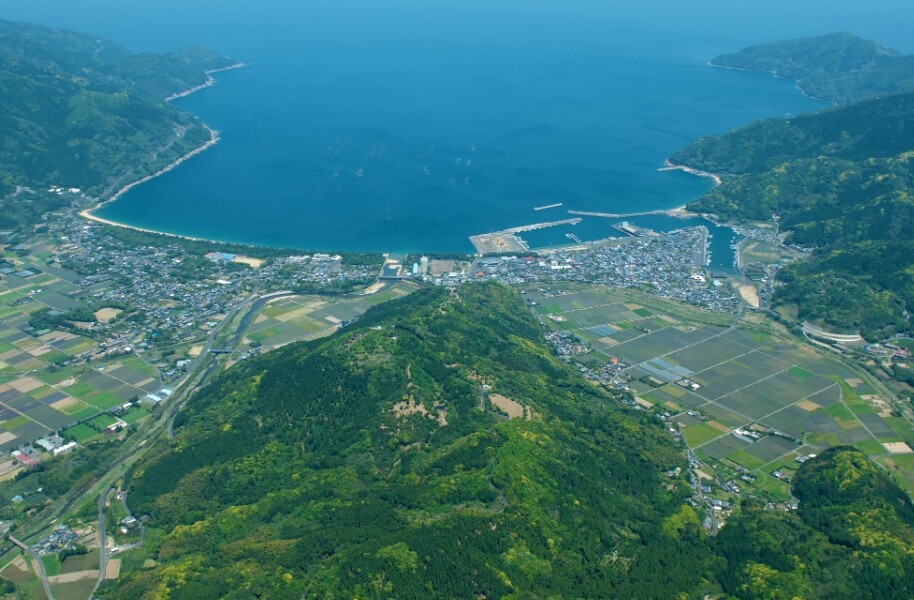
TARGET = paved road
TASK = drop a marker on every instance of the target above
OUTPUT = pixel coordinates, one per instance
(102, 549)
(140, 526)
(40, 566)
(149, 439)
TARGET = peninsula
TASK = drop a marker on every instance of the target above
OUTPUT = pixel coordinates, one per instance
(839, 67)
(91, 117)
(839, 181)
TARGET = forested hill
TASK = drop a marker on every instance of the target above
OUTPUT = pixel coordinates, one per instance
(83, 112)
(379, 463)
(841, 181)
(839, 67)
(875, 128)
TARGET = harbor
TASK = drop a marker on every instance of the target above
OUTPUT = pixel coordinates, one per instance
(507, 240)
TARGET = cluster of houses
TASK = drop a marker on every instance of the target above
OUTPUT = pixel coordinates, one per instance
(668, 264)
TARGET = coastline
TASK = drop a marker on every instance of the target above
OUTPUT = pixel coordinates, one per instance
(669, 166)
(776, 75)
(213, 140)
(210, 81)
(87, 212)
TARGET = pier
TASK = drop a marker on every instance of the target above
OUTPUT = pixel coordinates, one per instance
(668, 166)
(536, 226)
(507, 240)
(585, 213)
(632, 230)
(548, 206)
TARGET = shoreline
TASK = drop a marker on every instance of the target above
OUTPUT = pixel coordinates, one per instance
(86, 213)
(776, 75)
(210, 81)
(669, 166)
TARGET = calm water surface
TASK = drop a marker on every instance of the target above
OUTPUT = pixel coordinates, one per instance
(409, 126)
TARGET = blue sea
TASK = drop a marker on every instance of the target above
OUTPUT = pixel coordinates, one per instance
(408, 125)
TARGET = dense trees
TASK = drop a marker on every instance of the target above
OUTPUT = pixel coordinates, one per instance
(367, 465)
(840, 67)
(85, 113)
(841, 182)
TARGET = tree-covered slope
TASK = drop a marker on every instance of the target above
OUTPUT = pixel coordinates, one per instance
(876, 128)
(374, 464)
(840, 67)
(40, 52)
(842, 182)
(83, 112)
(853, 537)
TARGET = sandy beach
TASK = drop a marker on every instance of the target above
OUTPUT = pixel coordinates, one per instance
(213, 140)
(87, 213)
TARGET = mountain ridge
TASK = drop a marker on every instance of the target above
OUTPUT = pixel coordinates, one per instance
(838, 67)
(85, 113)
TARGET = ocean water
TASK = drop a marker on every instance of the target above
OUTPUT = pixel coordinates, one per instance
(409, 126)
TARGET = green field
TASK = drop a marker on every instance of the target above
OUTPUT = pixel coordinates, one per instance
(80, 562)
(102, 421)
(16, 422)
(81, 433)
(51, 564)
(135, 415)
(77, 590)
(80, 389)
(746, 375)
(700, 433)
(298, 318)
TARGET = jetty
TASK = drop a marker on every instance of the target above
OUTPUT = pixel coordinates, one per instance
(548, 206)
(585, 213)
(506, 240)
(668, 166)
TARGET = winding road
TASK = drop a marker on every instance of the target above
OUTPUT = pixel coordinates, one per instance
(39, 565)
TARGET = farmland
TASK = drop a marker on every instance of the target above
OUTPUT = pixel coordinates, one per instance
(302, 318)
(748, 400)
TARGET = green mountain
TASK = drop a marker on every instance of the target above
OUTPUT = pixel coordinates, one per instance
(839, 67)
(83, 112)
(379, 463)
(851, 537)
(842, 182)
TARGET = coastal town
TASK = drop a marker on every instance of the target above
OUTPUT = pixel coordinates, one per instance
(103, 329)
(100, 327)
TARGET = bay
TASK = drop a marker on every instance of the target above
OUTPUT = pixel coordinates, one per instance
(409, 126)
